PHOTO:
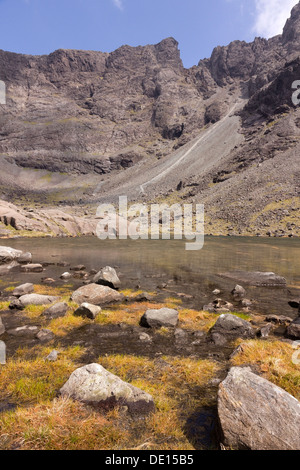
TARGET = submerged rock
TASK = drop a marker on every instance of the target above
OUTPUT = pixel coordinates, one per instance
(107, 277)
(96, 295)
(94, 385)
(256, 278)
(256, 414)
(158, 318)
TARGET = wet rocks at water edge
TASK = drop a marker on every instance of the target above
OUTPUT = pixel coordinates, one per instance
(96, 294)
(95, 386)
(238, 292)
(8, 254)
(107, 277)
(87, 310)
(229, 327)
(164, 317)
(255, 414)
(32, 268)
(218, 306)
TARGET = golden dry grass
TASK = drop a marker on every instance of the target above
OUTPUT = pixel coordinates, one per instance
(274, 359)
(50, 423)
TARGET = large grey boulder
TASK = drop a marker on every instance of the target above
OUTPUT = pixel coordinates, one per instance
(294, 329)
(37, 299)
(56, 311)
(166, 317)
(8, 254)
(96, 295)
(94, 385)
(229, 327)
(2, 327)
(107, 277)
(256, 414)
(24, 289)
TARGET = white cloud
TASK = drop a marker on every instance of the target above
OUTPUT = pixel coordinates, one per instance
(271, 16)
(118, 4)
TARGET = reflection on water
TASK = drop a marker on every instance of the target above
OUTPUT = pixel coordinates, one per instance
(195, 272)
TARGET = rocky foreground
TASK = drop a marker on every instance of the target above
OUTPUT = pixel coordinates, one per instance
(119, 356)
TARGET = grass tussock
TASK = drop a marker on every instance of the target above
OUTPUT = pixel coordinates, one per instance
(27, 378)
(274, 359)
(177, 385)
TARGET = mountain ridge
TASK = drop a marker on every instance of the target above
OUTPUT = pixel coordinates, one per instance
(76, 121)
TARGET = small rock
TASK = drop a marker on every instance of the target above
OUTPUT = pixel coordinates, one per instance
(58, 310)
(238, 292)
(145, 337)
(32, 268)
(88, 310)
(266, 330)
(52, 357)
(45, 335)
(66, 276)
(23, 290)
(229, 327)
(80, 267)
(158, 318)
(216, 292)
(278, 319)
(107, 277)
(2, 327)
(16, 305)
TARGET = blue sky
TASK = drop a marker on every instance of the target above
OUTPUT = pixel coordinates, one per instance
(42, 26)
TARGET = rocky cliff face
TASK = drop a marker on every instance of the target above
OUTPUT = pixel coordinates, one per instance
(93, 113)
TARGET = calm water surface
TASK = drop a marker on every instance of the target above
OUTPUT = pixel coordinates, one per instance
(148, 263)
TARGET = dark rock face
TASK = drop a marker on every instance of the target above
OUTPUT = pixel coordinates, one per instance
(256, 414)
